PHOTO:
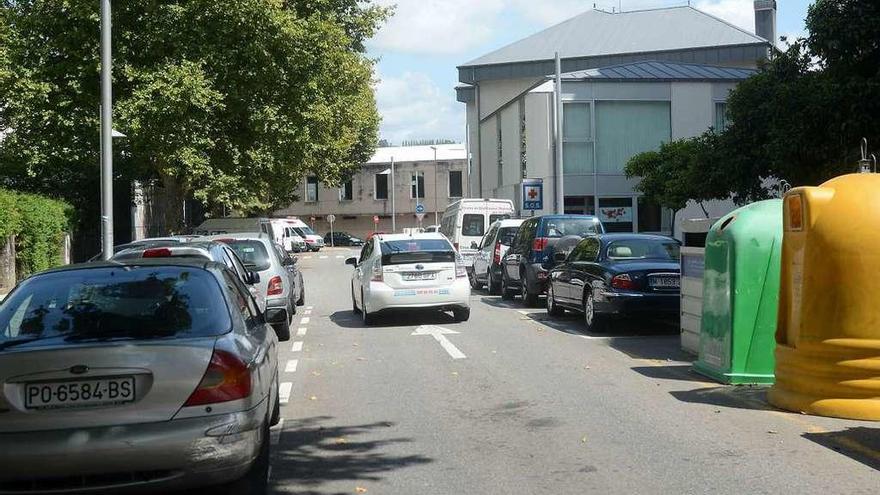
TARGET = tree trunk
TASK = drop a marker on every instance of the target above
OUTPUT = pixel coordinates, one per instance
(172, 195)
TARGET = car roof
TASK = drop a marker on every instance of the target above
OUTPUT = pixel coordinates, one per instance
(239, 235)
(558, 217)
(406, 237)
(140, 262)
(632, 236)
(509, 222)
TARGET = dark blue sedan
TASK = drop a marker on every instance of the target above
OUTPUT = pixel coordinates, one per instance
(616, 274)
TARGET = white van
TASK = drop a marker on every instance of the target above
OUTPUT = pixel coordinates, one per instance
(286, 237)
(465, 222)
(314, 242)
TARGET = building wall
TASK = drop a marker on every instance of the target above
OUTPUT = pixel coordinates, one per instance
(473, 126)
(497, 93)
(488, 157)
(356, 216)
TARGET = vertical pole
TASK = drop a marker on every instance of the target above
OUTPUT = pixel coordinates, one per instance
(106, 136)
(557, 126)
(393, 209)
(332, 240)
(467, 153)
(436, 221)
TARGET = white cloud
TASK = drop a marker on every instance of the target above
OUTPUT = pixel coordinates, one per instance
(740, 13)
(438, 26)
(414, 107)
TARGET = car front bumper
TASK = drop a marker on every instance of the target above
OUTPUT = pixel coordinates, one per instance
(381, 297)
(636, 303)
(169, 455)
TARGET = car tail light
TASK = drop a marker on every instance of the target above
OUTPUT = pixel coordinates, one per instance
(157, 253)
(539, 244)
(623, 281)
(377, 274)
(276, 286)
(460, 270)
(227, 378)
(496, 259)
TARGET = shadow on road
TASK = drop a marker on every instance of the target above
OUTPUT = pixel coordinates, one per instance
(861, 444)
(735, 397)
(399, 318)
(677, 372)
(315, 451)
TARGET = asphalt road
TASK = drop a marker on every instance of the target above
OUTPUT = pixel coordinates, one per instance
(535, 406)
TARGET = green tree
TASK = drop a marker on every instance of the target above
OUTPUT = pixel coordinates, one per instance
(801, 118)
(232, 102)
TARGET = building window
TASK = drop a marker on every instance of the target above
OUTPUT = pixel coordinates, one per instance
(577, 139)
(455, 184)
(653, 217)
(499, 144)
(627, 128)
(381, 186)
(311, 189)
(418, 180)
(579, 205)
(721, 118)
(346, 192)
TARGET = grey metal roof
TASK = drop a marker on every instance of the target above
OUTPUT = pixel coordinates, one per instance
(598, 33)
(664, 71)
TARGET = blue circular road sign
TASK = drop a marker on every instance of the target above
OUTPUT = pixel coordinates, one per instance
(420, 208)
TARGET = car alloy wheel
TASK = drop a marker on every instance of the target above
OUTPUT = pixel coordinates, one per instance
(528, 298)
(553, 309)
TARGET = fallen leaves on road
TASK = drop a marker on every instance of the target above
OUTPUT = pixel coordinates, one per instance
(772, 432)
(356, 344)
(454, 373)
(316, 373)
(340, 441)
(313, 398)
(584, 439)
(586, 367)
(362, 359)
(360, 489)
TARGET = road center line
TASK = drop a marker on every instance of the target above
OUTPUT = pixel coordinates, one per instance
(284, 392)
(301, 331)
(291, 366)
(297, 346)
(310, 307)
(305, 320)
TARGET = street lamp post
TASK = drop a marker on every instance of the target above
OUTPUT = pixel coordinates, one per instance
(436, 221)
(106, 135)
(390, 171)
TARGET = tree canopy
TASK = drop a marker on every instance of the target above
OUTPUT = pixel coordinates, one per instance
(801, 118)
(232, 102)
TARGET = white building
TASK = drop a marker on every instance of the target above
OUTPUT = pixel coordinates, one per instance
(631, 81)
(430, 176)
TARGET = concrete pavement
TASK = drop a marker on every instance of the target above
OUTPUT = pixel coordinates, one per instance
(534, 406)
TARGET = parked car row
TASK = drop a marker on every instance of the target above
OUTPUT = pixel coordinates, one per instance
(292, 234)
(579, 267)
(156, 370)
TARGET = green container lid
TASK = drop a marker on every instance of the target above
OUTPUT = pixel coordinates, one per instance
(741, 295)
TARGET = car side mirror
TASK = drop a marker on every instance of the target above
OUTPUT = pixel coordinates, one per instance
(559, 257)
(474, 245)
(251, 278)
(351, 261)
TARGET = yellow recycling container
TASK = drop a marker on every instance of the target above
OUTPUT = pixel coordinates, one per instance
(828, 331)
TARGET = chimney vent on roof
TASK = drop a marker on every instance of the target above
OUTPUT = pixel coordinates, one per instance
(765, 20)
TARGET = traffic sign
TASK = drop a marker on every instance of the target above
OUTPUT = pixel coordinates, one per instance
(420, 208)
(533, 194)
(331, 218)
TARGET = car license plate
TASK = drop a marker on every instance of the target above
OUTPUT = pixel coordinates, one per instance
(666, 282)
(418, 276)
(59, 395)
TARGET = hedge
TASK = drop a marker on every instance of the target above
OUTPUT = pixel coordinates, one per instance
(38, 224)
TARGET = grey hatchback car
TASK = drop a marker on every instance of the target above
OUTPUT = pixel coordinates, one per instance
(133, 375)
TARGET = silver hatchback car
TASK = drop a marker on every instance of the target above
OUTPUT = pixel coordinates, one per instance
(142, 374)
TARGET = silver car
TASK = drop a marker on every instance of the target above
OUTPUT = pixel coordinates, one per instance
(280, 281)
(144, 374)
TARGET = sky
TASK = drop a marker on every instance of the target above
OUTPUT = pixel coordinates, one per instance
(419, 49)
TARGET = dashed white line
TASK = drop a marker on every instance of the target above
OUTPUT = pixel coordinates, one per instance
(291, 366)
(275, 432)
(305, 320)
(310, 307)
(284, 392)
(523, 312)
(297, 346)
(307, 312)
(323, 257)
(308, 257)
(339, 257)
(301, 331)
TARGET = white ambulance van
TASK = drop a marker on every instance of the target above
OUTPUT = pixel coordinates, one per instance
(465, 222)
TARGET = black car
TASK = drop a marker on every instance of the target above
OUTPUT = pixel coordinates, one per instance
(617, 274)
(342, 239)
(526, 265)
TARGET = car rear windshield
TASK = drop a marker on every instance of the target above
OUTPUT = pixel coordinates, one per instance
(113, 303)
(473, 225)
(252, 253)
(561, 227)
(506, 235)
(495, 218)
(417, 251)
(642, 249)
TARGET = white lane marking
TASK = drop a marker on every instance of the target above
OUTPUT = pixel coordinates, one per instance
(339, 257)
(323, 257)
(297, 346)
(307, 312)
(284, 392)
(308, 257)
(291, 366)
(301, 331)
(523, 312)
(439, 334)
(275, 432)
(310, 307)
(305, 320)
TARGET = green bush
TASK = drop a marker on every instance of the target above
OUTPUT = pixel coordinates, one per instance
(39, 225)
